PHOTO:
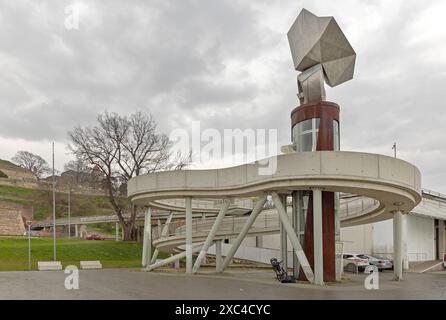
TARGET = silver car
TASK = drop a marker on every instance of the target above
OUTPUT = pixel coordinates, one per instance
(379, 262)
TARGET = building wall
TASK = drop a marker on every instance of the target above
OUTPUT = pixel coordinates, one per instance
(377, 238)
(421, 238)
(382, 234)
(357, 239)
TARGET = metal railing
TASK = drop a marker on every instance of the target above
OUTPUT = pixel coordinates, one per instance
(352, 206)
(230, 224)
(433, 193)
(417, 256)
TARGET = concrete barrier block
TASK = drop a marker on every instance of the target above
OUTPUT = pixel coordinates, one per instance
(49, 265)
(91, 265)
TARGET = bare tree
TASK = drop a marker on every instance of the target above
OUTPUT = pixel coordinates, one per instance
(80, 172)
(123, 147)
(32, 162)
(77, 165)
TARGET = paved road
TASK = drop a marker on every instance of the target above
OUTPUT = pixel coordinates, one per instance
(134, 284)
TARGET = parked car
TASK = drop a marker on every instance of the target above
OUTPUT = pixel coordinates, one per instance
(444, 260)
(94, 236)
(379, 262)
(353, 262)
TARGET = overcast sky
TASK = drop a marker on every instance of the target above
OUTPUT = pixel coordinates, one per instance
(224, 63)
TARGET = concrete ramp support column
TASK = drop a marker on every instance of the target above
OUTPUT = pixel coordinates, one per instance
(163, 234)
(218, 258)
(404, 241)
(172, 259)
(211, 235)
(293, 239)
(318, 238)
(147, 242)
(251, 219)
(283, 238)
(188, 235)
(398, 245)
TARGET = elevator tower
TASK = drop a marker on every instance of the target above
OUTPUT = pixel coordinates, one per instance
(322, 54)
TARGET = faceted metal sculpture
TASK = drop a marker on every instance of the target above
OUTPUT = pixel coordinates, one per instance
(321, 51)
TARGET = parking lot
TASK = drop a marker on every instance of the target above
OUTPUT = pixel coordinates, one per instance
(237, 284)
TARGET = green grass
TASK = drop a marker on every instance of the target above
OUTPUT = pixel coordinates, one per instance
(6, 162)
(112, 254)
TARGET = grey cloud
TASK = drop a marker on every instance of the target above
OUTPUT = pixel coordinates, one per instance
(172, 58)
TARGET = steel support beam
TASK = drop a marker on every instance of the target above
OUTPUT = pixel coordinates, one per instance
(318, 238)
(293, 238)
(163, 234)
(211, 235)
(252, 217)
(398, 245)
(188, 235)
(147, 242)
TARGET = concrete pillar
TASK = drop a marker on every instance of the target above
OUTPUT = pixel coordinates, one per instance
(405, 252)
(283, 246)
(283, 238)
(117, 231)
(338, 244)
(163, 234)
(295, 223)
(305, 265)
(76, 231)
(189, 235)
(211, 235)
(258, 207)
(318, 238)
(82, 230)
(398, 245)
(218, 258)
(147, 240)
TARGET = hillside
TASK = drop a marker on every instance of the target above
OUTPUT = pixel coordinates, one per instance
(39, 202)
(7, 163)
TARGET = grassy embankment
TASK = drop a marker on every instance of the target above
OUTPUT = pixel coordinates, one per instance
(41, 202)
(112, 254)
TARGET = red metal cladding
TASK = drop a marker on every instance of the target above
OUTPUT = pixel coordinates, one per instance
(326, 112)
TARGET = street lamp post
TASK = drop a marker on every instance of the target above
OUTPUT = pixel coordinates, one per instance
(69, 213)
(29, 222)
(54, 211)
